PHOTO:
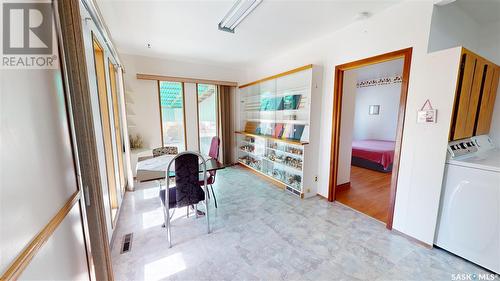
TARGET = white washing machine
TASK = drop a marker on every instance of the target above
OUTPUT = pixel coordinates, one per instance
(469, 214)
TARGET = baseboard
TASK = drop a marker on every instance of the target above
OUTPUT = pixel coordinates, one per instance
(415, 240)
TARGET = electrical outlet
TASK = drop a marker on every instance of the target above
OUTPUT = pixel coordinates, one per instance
(308, 190)
(316, 178)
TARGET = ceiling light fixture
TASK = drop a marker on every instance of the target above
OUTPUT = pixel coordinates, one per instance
(362, 15)
(238, 12)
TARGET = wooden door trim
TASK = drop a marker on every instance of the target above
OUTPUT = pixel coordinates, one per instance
(336, 120)
(298, 69)
(24, 258)
(153, 77)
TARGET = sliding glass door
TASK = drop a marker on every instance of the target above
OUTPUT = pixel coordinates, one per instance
(207, 115)
(106, 127)
(173, 132)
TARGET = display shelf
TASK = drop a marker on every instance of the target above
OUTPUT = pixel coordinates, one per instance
(274, 128)
(303, 122)
(285, 152)
(272, 138)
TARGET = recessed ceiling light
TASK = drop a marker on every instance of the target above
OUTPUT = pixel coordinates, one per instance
(237, 13)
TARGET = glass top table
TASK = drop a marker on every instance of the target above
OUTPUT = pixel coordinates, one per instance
(154, 168)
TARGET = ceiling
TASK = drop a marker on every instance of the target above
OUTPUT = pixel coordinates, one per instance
(187, 30)
(483, 12)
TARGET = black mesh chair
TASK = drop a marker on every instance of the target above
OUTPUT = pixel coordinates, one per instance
(187, 191)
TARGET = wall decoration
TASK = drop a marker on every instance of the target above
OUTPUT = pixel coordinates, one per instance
(374, 109)
(380, 81)
(427, 114)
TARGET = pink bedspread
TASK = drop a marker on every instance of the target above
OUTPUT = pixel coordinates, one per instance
(381, 152)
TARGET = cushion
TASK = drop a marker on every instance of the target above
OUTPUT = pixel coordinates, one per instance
(172, 198)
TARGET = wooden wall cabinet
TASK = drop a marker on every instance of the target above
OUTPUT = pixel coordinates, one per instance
(475, 96)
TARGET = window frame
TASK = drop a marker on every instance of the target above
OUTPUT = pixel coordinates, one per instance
(183, 112)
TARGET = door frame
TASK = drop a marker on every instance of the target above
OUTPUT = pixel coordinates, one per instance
(337, 114)
(72, 33)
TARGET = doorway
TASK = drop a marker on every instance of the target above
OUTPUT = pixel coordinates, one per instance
(365, 146)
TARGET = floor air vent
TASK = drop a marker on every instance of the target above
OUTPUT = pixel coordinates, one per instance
(126, 243)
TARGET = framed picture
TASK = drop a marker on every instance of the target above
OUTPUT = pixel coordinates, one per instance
(374, 109)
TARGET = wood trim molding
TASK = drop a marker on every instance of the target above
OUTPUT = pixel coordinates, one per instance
(142, 76)
(24, 258)
(277, 75)
(336, 120)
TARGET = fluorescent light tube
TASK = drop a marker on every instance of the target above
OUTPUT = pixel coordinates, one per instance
(237, 13)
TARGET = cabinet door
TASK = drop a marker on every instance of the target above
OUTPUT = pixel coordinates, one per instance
(487, 100)
(462, 99)
(475, 96)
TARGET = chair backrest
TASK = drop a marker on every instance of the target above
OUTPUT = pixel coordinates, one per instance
(187, 178)
(170, 150)
(214, 151)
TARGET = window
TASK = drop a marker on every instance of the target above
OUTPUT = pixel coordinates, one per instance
(172, 114)
(207, 115)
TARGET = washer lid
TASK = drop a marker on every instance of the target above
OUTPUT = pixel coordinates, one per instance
(489, 160)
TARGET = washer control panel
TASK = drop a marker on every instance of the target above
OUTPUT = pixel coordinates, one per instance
(461, 147)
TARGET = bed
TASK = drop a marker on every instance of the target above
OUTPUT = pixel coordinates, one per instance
(375, 155)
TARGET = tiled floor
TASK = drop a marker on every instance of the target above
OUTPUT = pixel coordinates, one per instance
(262, 232)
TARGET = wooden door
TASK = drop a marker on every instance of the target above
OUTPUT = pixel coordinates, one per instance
(463, 97)
(487, 100)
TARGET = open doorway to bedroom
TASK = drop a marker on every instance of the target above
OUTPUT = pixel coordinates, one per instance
(369, 100)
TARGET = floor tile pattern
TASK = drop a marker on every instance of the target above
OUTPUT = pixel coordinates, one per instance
(262, 232)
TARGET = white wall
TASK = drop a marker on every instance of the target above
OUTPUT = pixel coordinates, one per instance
(144, 93)
(489, 41)
(424, 146)
(452, 27)
(384, 125)
(490, 48)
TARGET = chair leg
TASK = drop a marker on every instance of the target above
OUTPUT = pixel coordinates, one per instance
(196, 210)
(207, 215)
(213, 193)
(187, 211)
(166, 215)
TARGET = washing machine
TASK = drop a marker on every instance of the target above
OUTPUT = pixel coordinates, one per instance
(469, 213)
